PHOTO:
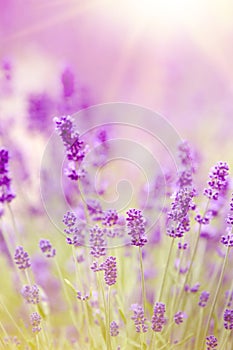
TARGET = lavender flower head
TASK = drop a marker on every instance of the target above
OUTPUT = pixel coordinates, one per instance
(35, 320)
(110, 218)
(139, 318)
(31, 294)
(211, 342)
(97, 242)
(204, 297)
(6, 194)
(110, 270)
(218, 182)
(187, 169)
(75, 147)
(179, 317)
(136, 226)
(178, 215)
(21, 258)
(158, 318)
(114, 329)
(228, 319)
(46, 248)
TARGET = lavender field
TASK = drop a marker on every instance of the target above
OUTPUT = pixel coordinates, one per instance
(116, 175)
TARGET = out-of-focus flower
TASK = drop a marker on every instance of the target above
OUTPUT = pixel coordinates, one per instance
(46, 248)
(217, 183)
(114, 329)
(35, 320)
(139, 318)
(158, 319)
(136, 227)
(31, 294)
(204, 297)
(6, 194)
(21, 258)
(97, 242)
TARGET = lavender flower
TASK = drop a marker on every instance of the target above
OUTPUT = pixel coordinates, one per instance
(227, 239)
(35, 320)
(179, 317)
(6, 194)
(204, 297)
(82, 297)
(158, 319)
(228, 319)
(31, 294)
(114, 329)
(21, 258)
(211, 342)
(178, 216)
(69, 219)
(74, 234)
(110, 270)
(110, 218)
(139, 318)
(75, 147)
(185, 179)
(217, 183)
(46, 248)
(97, 242)
(136, 226)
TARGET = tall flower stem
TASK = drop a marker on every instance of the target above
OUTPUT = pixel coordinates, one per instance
(192, 257)
(166, 269)
(108, 340)
(199, 327)
(12, 320)
(142, 279)
(216, 293)
(66, 295)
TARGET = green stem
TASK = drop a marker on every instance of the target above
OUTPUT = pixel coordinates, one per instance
(166, 269)
(108, 340)
(12, 320)
(66, 295)
(216, 293)
(223, 346)
(142, 280)
(199, 328)
(193, 256)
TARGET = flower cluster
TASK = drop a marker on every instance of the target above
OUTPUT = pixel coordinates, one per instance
(31, 294)
(97, 242)
(136, 227)
(21, 258)
(6, 194)
(187, 169)
(178, 216)
(74, 233)
(46, 248)
(75, 147)
(211, 342)
(158, 318)
(218, 182)
(139, 318)
(204, 297)
(35, 320)
(228, 319)
(179, 317)
(114, 329)
(110, 270)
